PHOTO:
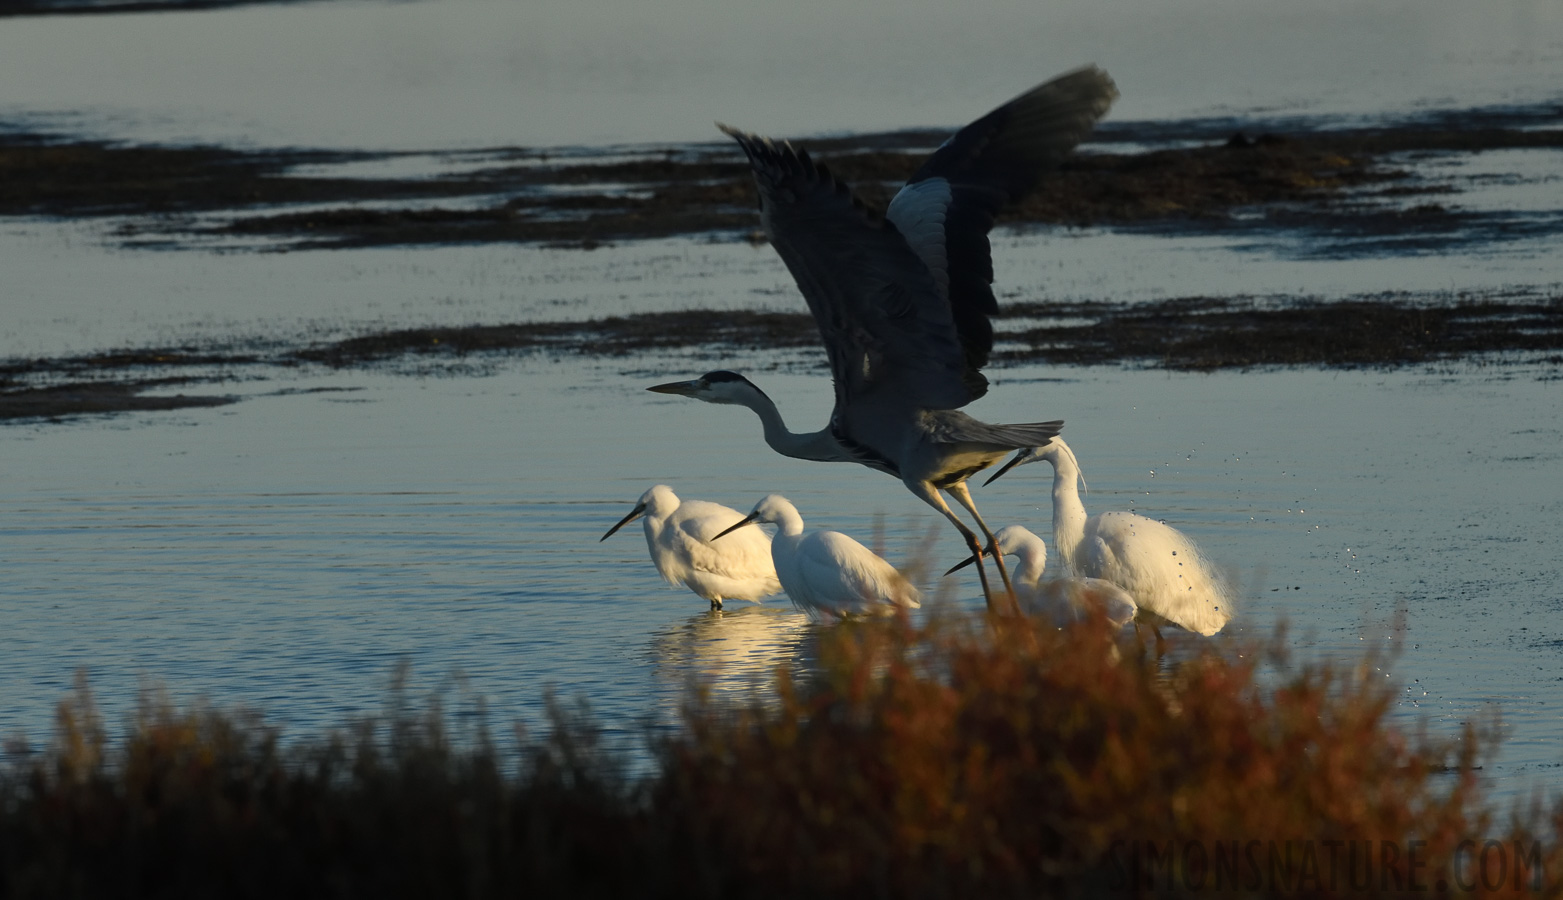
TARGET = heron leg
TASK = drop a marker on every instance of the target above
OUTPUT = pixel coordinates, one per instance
(926, 492)
(963, 497)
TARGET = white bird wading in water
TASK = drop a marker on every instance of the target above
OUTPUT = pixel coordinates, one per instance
(1064, 599)
(1158, 565)
(902, 301)
(826, 571)
(679, 536)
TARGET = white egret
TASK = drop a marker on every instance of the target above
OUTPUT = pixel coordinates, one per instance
(902, 300)
(1065, 599)
(1158, 565)
(826, 572)
(679, 536)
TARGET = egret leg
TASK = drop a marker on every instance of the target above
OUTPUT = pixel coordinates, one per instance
(963, 497)
(930, 496)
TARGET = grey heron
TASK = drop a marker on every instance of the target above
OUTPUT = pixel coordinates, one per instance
(903, 300)
(827, 572)
(1065, 599)
(679, 535)
(1158, 565)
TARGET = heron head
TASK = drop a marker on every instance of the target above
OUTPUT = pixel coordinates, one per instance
(720, 386)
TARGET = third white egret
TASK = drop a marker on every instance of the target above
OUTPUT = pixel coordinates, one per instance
(1063, 599)
(1158, 565)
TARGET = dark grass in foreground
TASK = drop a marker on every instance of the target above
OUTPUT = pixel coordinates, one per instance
(964, 759)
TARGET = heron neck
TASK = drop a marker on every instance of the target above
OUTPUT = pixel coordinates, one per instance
(1068, 512)
(815, 445)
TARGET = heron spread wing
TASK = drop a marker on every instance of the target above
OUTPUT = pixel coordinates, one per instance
(902, 303)
(947, 208)
(885, 322)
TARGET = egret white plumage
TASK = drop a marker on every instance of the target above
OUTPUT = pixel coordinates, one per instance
(1064, 599)
(902, 300)
(826, 571)
(1158, 565)
(679, 535)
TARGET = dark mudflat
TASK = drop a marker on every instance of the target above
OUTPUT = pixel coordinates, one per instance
(1189, 334)
(1311, 177)
(87, 397)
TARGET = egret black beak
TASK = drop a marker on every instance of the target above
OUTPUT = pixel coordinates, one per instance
(961, 565)
(746, 520)
(1020, 456)
(681, 388)
(634, 514)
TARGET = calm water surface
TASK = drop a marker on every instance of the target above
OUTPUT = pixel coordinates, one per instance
(444, 74)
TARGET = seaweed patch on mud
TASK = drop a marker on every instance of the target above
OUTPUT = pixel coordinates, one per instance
(1205, 334)
(1185, 334)
(89, 397)
(1358, 180)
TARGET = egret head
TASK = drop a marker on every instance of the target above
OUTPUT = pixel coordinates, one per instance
(773, 510)
(1052, 451)
(720, 386)
(1015, 541)
(658, 501)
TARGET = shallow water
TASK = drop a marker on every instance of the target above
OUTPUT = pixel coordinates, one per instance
(286, 552)
(289, 551)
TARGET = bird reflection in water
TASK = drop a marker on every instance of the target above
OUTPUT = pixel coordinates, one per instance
(734, 651)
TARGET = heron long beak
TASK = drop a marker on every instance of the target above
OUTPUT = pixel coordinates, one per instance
(682, 388)
(746, 520)
(1020, 456)
(634, 514)
(961, 565)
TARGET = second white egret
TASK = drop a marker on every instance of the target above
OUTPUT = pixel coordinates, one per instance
(827, 572)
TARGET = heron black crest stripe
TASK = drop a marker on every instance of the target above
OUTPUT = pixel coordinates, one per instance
(722, 376)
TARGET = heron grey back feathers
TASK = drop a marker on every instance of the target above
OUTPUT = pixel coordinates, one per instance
(954, 427)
